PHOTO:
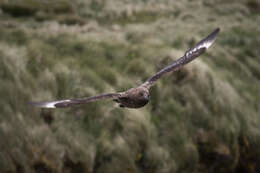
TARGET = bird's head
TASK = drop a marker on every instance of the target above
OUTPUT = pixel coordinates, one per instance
(144, 95)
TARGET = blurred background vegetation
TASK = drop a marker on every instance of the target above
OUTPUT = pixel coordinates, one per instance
(203, 118)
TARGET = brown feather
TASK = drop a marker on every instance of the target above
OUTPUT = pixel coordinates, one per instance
(189, 55)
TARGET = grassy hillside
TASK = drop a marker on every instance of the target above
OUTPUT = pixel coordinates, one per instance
(203, 118)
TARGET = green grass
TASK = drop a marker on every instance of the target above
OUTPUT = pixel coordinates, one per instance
(207, 110)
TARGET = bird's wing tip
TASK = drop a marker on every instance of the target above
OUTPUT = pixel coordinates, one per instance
(43, 104)
(209, 40)
(217, 29)
(212, 37)
(204, 44)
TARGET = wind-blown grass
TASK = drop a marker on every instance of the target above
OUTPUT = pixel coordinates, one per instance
(201, 118)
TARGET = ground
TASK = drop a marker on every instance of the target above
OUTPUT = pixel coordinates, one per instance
(203, 118)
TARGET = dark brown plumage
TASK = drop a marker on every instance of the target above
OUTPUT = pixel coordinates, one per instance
(139, 96)
(134, 97)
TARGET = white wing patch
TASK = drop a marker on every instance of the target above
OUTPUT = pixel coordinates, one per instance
(52, 104)
(49, 104)
(203, 45)
(206, 44)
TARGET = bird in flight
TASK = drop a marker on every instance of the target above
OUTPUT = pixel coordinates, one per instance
(139, 96)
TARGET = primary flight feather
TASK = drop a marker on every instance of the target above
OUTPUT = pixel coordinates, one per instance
(139, 96)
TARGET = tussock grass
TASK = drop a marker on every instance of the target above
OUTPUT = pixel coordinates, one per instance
(207, 110)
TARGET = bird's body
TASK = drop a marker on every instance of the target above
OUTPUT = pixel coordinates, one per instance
(139, 96)
(134, 97)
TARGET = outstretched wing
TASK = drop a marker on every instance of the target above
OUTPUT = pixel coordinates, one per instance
(72, 102)
(189, 55)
